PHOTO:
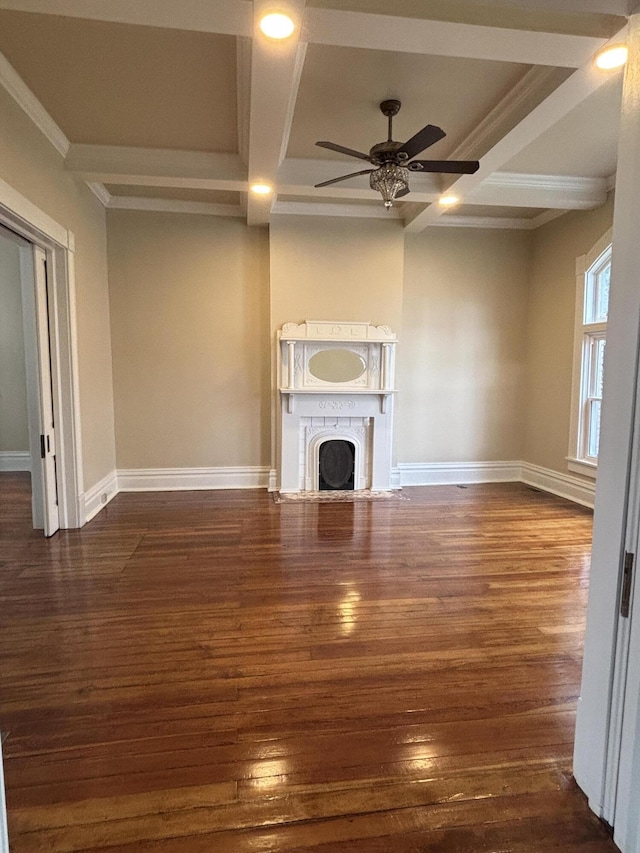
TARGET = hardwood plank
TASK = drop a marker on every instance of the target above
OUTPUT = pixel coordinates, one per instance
(212, 671)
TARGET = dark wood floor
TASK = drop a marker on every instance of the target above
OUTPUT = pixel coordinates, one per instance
(210, 672)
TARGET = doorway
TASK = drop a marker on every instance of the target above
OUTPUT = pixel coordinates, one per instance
(46, 251)
(27, 427)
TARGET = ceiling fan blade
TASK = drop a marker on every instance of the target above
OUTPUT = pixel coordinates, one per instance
(429, 135)
(344, 177)
(451, 167)
(342, 150)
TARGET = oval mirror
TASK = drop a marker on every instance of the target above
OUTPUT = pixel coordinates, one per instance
(337, 365)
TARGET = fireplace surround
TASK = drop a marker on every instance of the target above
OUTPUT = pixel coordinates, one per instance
(335, 382)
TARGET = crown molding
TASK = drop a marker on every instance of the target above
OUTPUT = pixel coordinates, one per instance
(548, 183)
(547, 216)
(168, 205)
(100, 192)
(301, 208)
(515, 223)
(475, 143)
(115, 164)
(27, 101)
(500, 222)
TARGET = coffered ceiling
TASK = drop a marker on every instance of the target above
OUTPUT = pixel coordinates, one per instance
(165, 105)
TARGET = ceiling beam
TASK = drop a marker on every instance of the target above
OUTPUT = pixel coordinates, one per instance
(361, 211)
(13, 83)
(169, 205)
(114, 164)
(444, 38)
(276, 67)
(534, 85)
(563, 192)
(104, 164)
(582, 83)
(296, 178)
(602, 7)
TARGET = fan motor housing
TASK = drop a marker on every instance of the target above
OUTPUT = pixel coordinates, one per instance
(386, 152)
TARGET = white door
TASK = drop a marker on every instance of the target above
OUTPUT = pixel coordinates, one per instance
(624, 734)
(47, 434)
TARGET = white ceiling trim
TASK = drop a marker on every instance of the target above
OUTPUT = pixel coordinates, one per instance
(104, 164)
(114, 164)
(555, 191)
(167, 205)
(443, 38)
(568, 95)
(27, 101)
(228, 17)
(100, 192)
(496, 119)
(276, 68)
(502, 222)
(296, 177)
(548, 216)
(301, 208)
(603, 7)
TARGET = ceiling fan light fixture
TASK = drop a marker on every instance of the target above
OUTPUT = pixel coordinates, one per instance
(277, 25)
(389, 179)
(449, 200)
(613, 56)
(260, 188)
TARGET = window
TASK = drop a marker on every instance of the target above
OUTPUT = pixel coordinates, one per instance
(592, 308)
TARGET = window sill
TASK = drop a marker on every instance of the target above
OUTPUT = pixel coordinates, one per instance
(581, 466)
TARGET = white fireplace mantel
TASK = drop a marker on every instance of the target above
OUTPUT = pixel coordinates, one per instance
(316, 408)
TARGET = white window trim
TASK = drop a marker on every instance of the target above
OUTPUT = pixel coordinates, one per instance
(575, 461)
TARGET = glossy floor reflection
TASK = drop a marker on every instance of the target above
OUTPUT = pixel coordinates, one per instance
(210, 671)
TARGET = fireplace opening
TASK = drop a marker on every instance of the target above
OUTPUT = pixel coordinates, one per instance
(336, 466)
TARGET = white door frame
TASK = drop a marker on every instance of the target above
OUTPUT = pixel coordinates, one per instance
(28, 221)
(605, 714)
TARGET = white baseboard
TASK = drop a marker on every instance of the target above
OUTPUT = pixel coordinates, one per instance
(98, 496)
(451, 473)
(406, 474)
(573, 488)
(191, 479)
(15, 460)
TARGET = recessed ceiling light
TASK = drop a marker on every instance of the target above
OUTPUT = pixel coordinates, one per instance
(260, 189)
(277, 25)
(448, 200)
(612, 57)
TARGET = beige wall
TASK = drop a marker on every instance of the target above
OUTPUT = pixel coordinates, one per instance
(14, 426)
(461, 361)
(31, 166)
(336, 269)
(550, 330)
(189, 308)
(326, 268)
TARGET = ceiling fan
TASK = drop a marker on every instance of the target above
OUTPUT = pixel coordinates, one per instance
(393, 160)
